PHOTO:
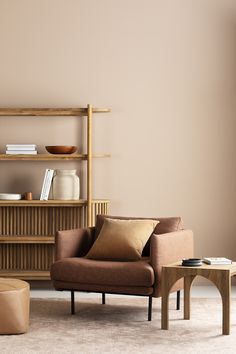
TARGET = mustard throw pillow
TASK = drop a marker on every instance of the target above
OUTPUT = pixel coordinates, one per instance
(122, 239)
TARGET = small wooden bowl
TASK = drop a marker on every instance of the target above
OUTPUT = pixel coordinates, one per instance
(61, 149)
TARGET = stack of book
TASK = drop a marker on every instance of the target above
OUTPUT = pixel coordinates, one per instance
(22, 149)
(46, 184)
(217, 260)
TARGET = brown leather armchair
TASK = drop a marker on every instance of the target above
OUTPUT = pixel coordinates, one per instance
(71, 271)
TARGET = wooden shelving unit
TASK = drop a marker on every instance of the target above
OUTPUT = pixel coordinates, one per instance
(27, 228)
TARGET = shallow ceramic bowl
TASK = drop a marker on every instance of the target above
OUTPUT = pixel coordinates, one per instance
(61, 149)
(10, 196)
(192, 262)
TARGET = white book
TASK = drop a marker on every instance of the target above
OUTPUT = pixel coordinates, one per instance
(217, 260)
(21, 146)
(21, 152)
(46, 184)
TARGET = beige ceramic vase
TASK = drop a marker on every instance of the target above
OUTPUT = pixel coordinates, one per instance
(65, 185)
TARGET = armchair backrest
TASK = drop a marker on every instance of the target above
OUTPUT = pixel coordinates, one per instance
(168, 224)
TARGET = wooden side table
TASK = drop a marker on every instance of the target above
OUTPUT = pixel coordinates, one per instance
(220, 275)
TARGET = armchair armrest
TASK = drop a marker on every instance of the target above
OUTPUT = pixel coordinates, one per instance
(73, 243)
(169, 248)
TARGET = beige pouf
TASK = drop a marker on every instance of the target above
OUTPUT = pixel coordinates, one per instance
(14, 306)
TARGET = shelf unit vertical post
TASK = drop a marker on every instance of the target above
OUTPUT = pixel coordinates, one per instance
(89, 164)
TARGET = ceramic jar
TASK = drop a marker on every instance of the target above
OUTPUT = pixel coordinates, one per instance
(65, 185)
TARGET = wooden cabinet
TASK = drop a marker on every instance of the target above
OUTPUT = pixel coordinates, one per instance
(27, 228)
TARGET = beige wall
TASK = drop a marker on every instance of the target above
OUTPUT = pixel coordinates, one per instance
(167, 69)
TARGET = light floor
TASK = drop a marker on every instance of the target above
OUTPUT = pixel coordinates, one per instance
(196, 291)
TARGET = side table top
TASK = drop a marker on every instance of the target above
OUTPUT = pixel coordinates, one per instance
(230, 267)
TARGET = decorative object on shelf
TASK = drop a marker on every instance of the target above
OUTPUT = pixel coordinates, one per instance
(192, 262)
(10, 196)
(47, 181)
(28, 196)
(61, 149)
(21, 149)
(65, 185)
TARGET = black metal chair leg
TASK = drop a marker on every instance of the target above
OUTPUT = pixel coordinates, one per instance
(103, 298)
(178, 300)
(72, 302)
(150, 308)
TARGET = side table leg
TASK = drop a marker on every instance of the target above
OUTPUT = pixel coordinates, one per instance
(168, 279)
(164, 299)
(226, 299)
(187, 286)
(222, 280)
(165, 311)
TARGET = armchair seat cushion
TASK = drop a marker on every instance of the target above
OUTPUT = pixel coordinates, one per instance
(89, 271)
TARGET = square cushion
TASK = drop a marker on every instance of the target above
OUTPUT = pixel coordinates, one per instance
(165, 225)
(122, 239)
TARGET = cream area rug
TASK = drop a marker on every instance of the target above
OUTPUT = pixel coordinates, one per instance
(121, 326)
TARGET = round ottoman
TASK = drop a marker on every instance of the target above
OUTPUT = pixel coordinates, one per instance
(14, 306)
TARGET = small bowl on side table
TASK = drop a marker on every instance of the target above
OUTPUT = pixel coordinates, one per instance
(192, 262)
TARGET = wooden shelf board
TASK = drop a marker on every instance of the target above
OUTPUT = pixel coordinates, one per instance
(28, 239)
(27, 275)
(48, 157)
(6, 112)
(49, 202)
(42, 157)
